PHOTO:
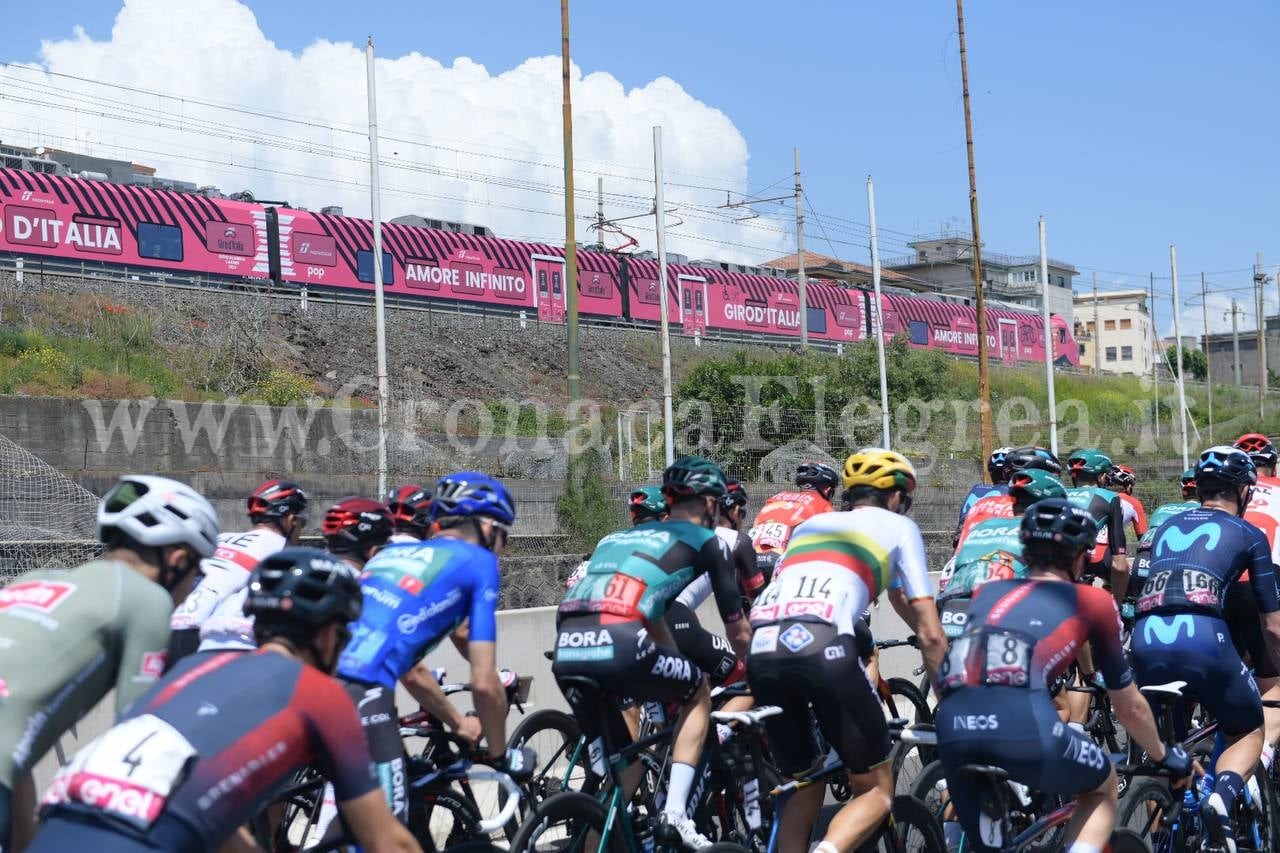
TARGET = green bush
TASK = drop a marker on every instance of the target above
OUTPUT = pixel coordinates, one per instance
(282, 388)
(13, 342)
(588, 509)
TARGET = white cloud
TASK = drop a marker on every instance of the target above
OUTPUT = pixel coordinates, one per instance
(480, 131)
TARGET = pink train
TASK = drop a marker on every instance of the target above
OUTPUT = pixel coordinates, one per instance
(72, 219)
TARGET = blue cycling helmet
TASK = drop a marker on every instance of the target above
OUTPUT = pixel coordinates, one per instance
(468, 494)
(996, 464)
(1225, 465)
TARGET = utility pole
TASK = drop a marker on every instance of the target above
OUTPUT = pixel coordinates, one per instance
(660, 225)
(1235, 342)
(984, 379)
(803, 289)
(1177, 342)
(1097, 330)
(600, 210)
(380, 321)
(1155, 355)
(1208, 367)
(1260, 281)
(570, 243)
(877, 316)
(1048, 340)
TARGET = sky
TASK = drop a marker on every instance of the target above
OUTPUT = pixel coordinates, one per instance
(1129, 126)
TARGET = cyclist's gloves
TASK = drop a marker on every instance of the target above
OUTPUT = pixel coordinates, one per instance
(1177, 761)
(518, 763)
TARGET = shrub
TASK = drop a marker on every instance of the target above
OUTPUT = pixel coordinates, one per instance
(588, 509)
(282, 388)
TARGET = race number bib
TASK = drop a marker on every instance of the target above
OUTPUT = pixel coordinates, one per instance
(771, 534)
(128, 772)
(1152, 595)
(1008, 660)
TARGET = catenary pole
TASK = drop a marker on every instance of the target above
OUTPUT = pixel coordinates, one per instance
(984, 377)
(1208, 367)
(1177, 340)
(1260, 280)
(1097, 330)
(1048, 340)
(877, 325)
(660, 215)
(380, 322)
(1155, 355)
(570, 241)
(802, 288)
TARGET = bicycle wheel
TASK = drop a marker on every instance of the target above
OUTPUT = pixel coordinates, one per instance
(568, 821)
(441, 818)
(1127, 841)
(909, 829)
(562, 757)
(907, 702)
(1154, 812)
(930, 788)
(1255, 814)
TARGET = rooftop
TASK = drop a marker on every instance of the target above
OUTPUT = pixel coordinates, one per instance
(829, 267)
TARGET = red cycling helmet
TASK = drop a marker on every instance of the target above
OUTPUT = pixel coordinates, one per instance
(1259, 447)
(355, 524)
(275, 499)
(410, 507)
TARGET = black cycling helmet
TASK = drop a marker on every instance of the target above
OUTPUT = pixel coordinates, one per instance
(996, 464)
(296, 592)
(275, 499)
(410, 507)
(1188, 483)
(817, 475)
(693, 476)
(1225, 466)
(735, 495)
(1057, 530)
(355, 524)
(1022, 458)
(1260, 449)
(1120, 477)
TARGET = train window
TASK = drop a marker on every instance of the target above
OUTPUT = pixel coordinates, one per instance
(161, 242)
(364, 267)
(817, 321)
(919, 331)
(555, 284)
(542, 282)
(697, 302)
(688, 307)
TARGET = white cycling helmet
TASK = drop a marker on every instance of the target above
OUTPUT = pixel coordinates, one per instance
(157, 511)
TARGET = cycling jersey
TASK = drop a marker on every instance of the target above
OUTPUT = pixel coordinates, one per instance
(744, 561)
(69, 637)
(634, 574)
(977, 493)
(218, 597)
(415, 595)
(1163, 513)
(993, 506)
(403, 539)
(1263, 512)
(836, 564)
(1106, 509)
(781, 515)
(1134, 515)
(203, 751)
(992, 550)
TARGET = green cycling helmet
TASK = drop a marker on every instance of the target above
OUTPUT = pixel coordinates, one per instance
(693, 476)
(1088, 462)
(1035, 485)
(647, 502)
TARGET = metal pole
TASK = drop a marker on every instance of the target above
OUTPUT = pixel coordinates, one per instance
(570, 243)
(660, 214)
(600, 210)
(1235, 343)
(803, 287)
(1177, 341)
(1097, 330)
(648, 444)
(1208, 367)
(1155, 356)
(380, 321)
(1048, 341)
(619, 444)
(877, 324)
(984, 384)
(1260, 280)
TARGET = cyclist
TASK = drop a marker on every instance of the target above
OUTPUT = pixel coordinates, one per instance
(711, 652)
(1121, 479)
(1161, 514)
(1088, 469)
(206, 749)
(1001, 505)
(611, 628)
(803, 655)
(355, 529)
(999, 474)
(645, 503)
(995, 707)
(417, 594)
(992, 550)
(410, 507)
(70, 637)
(1181, 634)
(816, 483)
(212, 617)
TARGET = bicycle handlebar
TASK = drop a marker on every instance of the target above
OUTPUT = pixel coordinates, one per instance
(508, 811)
(893, 644)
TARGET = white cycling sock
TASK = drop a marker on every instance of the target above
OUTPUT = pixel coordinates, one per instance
(678, 789)
(1268, 755)
(1077, 847)
(825, 847)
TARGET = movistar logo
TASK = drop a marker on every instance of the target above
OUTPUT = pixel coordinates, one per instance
(1167, 630)
(1177, 541)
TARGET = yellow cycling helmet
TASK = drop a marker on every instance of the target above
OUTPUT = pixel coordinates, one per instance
(879, 469)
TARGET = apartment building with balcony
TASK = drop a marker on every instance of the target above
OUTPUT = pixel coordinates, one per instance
(1118, 326)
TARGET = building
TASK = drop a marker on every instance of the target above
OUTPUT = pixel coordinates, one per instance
(1222, 347)
(945, 264)
(847, 272)
(1125, 337)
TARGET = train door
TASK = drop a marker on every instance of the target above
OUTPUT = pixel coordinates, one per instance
(693, 305)
(1008, 339)
(549, 285)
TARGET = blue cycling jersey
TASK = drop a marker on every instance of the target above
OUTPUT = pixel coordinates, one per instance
(414, 595)
(977, 493)
(1197, 555)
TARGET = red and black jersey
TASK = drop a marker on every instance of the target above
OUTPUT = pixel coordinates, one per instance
(1025, 633)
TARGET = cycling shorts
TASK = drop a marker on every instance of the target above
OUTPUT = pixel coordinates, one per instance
(625, 661)
(711, 652)
(1198, 649)
(1018, 730)
(377, 708)
(863, 639)
(1241, 609)
(65, 829)
(804, 666)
